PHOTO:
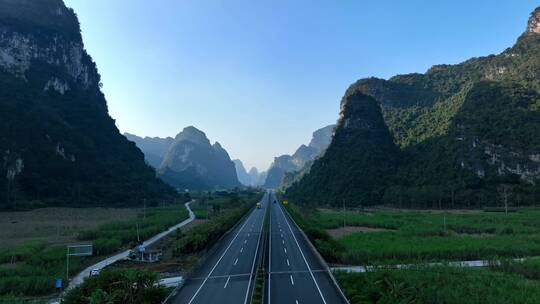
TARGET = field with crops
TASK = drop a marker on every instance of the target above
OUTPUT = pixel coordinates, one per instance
(407, 236)
(29, 268)
(56, 225)
(506, 284)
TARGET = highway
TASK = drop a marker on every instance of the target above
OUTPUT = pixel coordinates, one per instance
(228, 274)
(295, 273)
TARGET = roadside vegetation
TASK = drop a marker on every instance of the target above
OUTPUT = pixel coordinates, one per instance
(439, 285)
(108, 238)
(392, 237)
(416, 237)
(223, 211)
(31, 268)
(217, 213)
(118, 286)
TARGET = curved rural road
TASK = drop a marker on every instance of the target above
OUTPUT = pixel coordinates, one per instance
(79, 278)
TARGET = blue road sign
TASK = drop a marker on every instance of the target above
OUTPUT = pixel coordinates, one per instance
(58, 283)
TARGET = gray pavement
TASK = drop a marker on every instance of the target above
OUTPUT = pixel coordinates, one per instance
(227, 276)
(296, 274)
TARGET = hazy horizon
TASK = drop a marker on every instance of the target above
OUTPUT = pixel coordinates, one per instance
(260, 77)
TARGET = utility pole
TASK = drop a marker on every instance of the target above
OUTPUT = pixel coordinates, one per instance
(444, 222)
(505, 200)
(138, 239)
(144, 210)
(344, 214)
(67, 265)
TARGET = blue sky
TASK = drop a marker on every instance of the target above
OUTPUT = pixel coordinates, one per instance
(261, 76)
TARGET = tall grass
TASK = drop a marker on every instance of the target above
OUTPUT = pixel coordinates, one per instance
(109, 237)
(438, 285)
(419, 236)
(31, 268)
(232, 209)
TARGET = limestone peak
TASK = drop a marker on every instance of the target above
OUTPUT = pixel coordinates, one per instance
(534, 22)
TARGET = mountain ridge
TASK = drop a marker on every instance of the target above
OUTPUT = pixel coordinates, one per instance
(59, 145)
(189, 161)
(304, 155)
(453, 148)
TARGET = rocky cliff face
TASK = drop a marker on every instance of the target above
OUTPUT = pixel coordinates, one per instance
(463, 131)
(257, 178)
(361, 154)
(58, 143)
(534, 22)
(243, 177)
(193, 163)
(297, 162)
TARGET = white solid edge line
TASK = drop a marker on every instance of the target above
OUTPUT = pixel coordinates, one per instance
(303, 256)
(213, 268)
(269, 252)
(254, 260)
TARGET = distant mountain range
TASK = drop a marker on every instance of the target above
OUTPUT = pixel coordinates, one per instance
(300, 161)
(252, 178)
(154, 148)
(189, 161)
(465, 135)
(59, 146)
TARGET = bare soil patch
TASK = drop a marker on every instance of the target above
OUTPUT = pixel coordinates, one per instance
(343, 231)
(55, 225)
(476, 234)
(450, 211)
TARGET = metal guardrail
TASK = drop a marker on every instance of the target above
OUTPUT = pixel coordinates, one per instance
(319, 257)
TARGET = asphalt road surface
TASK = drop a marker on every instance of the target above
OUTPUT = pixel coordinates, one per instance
(228, 274)
(296, 276)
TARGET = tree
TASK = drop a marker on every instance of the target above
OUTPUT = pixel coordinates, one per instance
(120, 286)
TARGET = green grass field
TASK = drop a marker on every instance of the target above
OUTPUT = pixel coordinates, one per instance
(420, 236)
(439, 285)
(30, 269)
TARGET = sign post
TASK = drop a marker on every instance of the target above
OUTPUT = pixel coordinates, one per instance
(76, 250)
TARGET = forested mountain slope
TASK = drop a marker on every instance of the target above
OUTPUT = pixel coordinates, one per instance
(467, 136)
(59, 145)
